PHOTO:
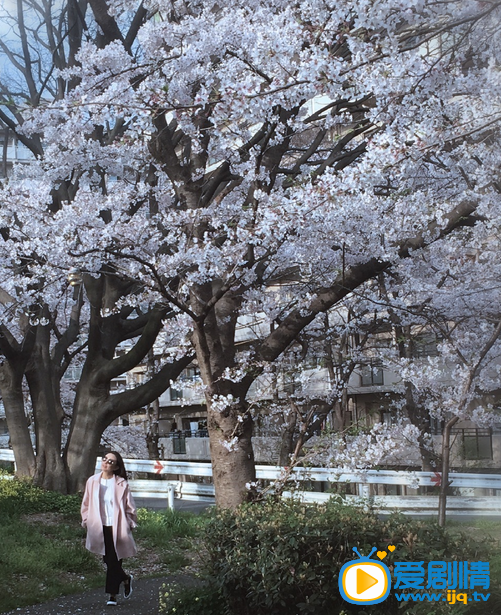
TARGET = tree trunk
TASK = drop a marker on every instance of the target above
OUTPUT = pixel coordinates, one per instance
(50, 470)
(445, 483)
(153, 414)
(340, 413)
(420, 418)
(152, 436)
(232, 454)
(287, 439)
(17, 422)
(228, 421)
(94, 409)
(87, 426)
(417, 413)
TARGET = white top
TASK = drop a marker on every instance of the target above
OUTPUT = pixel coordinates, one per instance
(106, 497)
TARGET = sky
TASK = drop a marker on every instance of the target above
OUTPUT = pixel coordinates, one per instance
(9, 7)
(5, 5)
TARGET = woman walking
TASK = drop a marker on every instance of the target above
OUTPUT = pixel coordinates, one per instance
(109, 514)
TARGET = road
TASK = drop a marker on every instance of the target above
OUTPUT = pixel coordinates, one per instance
(179, 504)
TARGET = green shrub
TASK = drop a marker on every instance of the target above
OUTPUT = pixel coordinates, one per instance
(20, 496)
(284, 557)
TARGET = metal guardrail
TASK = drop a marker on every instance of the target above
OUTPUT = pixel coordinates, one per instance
(410, 504)
(6, 454)
(333, 475)
(414, 504)
(381, 477)
(170, 489)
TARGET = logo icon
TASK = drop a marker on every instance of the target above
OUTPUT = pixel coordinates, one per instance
(365, 581)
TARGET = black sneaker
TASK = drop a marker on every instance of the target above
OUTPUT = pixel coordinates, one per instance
(128, 587)
(112, 601)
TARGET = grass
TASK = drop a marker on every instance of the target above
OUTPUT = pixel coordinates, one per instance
(42, 553)
(160, 528)
(491, 531)
(45, 560)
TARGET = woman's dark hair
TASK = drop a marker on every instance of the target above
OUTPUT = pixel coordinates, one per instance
(120, 471)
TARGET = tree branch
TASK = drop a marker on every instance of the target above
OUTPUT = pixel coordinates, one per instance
(123, 364)
(325, 298)
(107, 23)
(144, 394)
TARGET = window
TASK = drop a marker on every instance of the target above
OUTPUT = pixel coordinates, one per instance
(290, 383)
(477, 443)
(191, 427)
(424, 346)
(73, 373)
(371, 375)
(190, 374)
(389, 419)
(436, 426)
(178, 444)
(176, 394)
(312, 362)
(3, 427)
(138, 378)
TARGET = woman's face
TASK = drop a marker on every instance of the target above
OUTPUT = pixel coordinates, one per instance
(109, 462)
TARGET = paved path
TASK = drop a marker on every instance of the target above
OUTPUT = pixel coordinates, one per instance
(143, 601)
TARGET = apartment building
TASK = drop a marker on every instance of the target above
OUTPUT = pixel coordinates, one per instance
(373, 395)
(11, 151)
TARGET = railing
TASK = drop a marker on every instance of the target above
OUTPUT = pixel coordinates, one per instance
(408, 504)
(186, 433)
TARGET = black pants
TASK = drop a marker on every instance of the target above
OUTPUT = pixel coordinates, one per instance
(114, 573)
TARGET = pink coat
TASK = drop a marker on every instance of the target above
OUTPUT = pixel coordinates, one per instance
(124, 517)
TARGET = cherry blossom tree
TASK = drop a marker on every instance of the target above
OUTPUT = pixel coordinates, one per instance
(263, 157)
(457, 302)
(306, 391)
(47, 324)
